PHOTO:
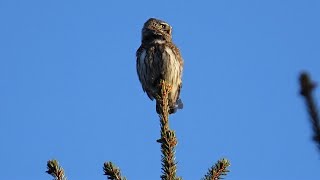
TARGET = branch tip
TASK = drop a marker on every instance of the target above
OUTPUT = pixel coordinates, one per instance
(218, 170)
(55, 170)
(306, 90)
(112, 172)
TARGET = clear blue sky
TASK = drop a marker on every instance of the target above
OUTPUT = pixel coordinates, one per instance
(69, 88)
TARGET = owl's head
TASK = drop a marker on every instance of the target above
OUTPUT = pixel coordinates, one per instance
(156, 30)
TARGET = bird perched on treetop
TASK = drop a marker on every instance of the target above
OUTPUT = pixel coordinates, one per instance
(159, 59)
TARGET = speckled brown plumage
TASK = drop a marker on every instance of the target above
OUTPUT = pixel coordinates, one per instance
(159, 59)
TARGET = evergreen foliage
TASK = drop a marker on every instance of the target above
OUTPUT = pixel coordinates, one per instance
(55, 170)
(112, 172)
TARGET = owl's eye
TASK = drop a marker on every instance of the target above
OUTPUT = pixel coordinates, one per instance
(163, 26)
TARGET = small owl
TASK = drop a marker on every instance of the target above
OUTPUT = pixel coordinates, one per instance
(159, 59)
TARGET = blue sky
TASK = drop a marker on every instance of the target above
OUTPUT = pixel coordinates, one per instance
(69, 89)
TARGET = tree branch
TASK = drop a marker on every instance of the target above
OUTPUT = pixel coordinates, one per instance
(217, 170)
(307, 87)
(168, 138)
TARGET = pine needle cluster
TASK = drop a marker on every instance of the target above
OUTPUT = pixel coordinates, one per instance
(218, 170)
(55, 170)
(112, 172)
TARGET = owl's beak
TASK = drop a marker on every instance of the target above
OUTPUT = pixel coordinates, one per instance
(150, 35)
(153, 33)
(168, 31)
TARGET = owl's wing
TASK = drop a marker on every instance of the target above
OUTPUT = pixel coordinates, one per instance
(141, 67)
(142, 70)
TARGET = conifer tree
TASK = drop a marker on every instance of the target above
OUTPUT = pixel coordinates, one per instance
(168, 142)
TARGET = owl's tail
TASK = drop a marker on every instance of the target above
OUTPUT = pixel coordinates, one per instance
(179, 104)
(172, 108)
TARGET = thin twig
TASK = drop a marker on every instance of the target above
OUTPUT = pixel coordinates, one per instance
(307, 87)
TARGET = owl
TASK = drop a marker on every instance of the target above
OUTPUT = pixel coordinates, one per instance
(159, 59)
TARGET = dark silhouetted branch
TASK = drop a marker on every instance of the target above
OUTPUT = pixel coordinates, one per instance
(307, 87)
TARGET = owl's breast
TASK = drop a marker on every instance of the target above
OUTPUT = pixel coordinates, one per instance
(171, 67)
